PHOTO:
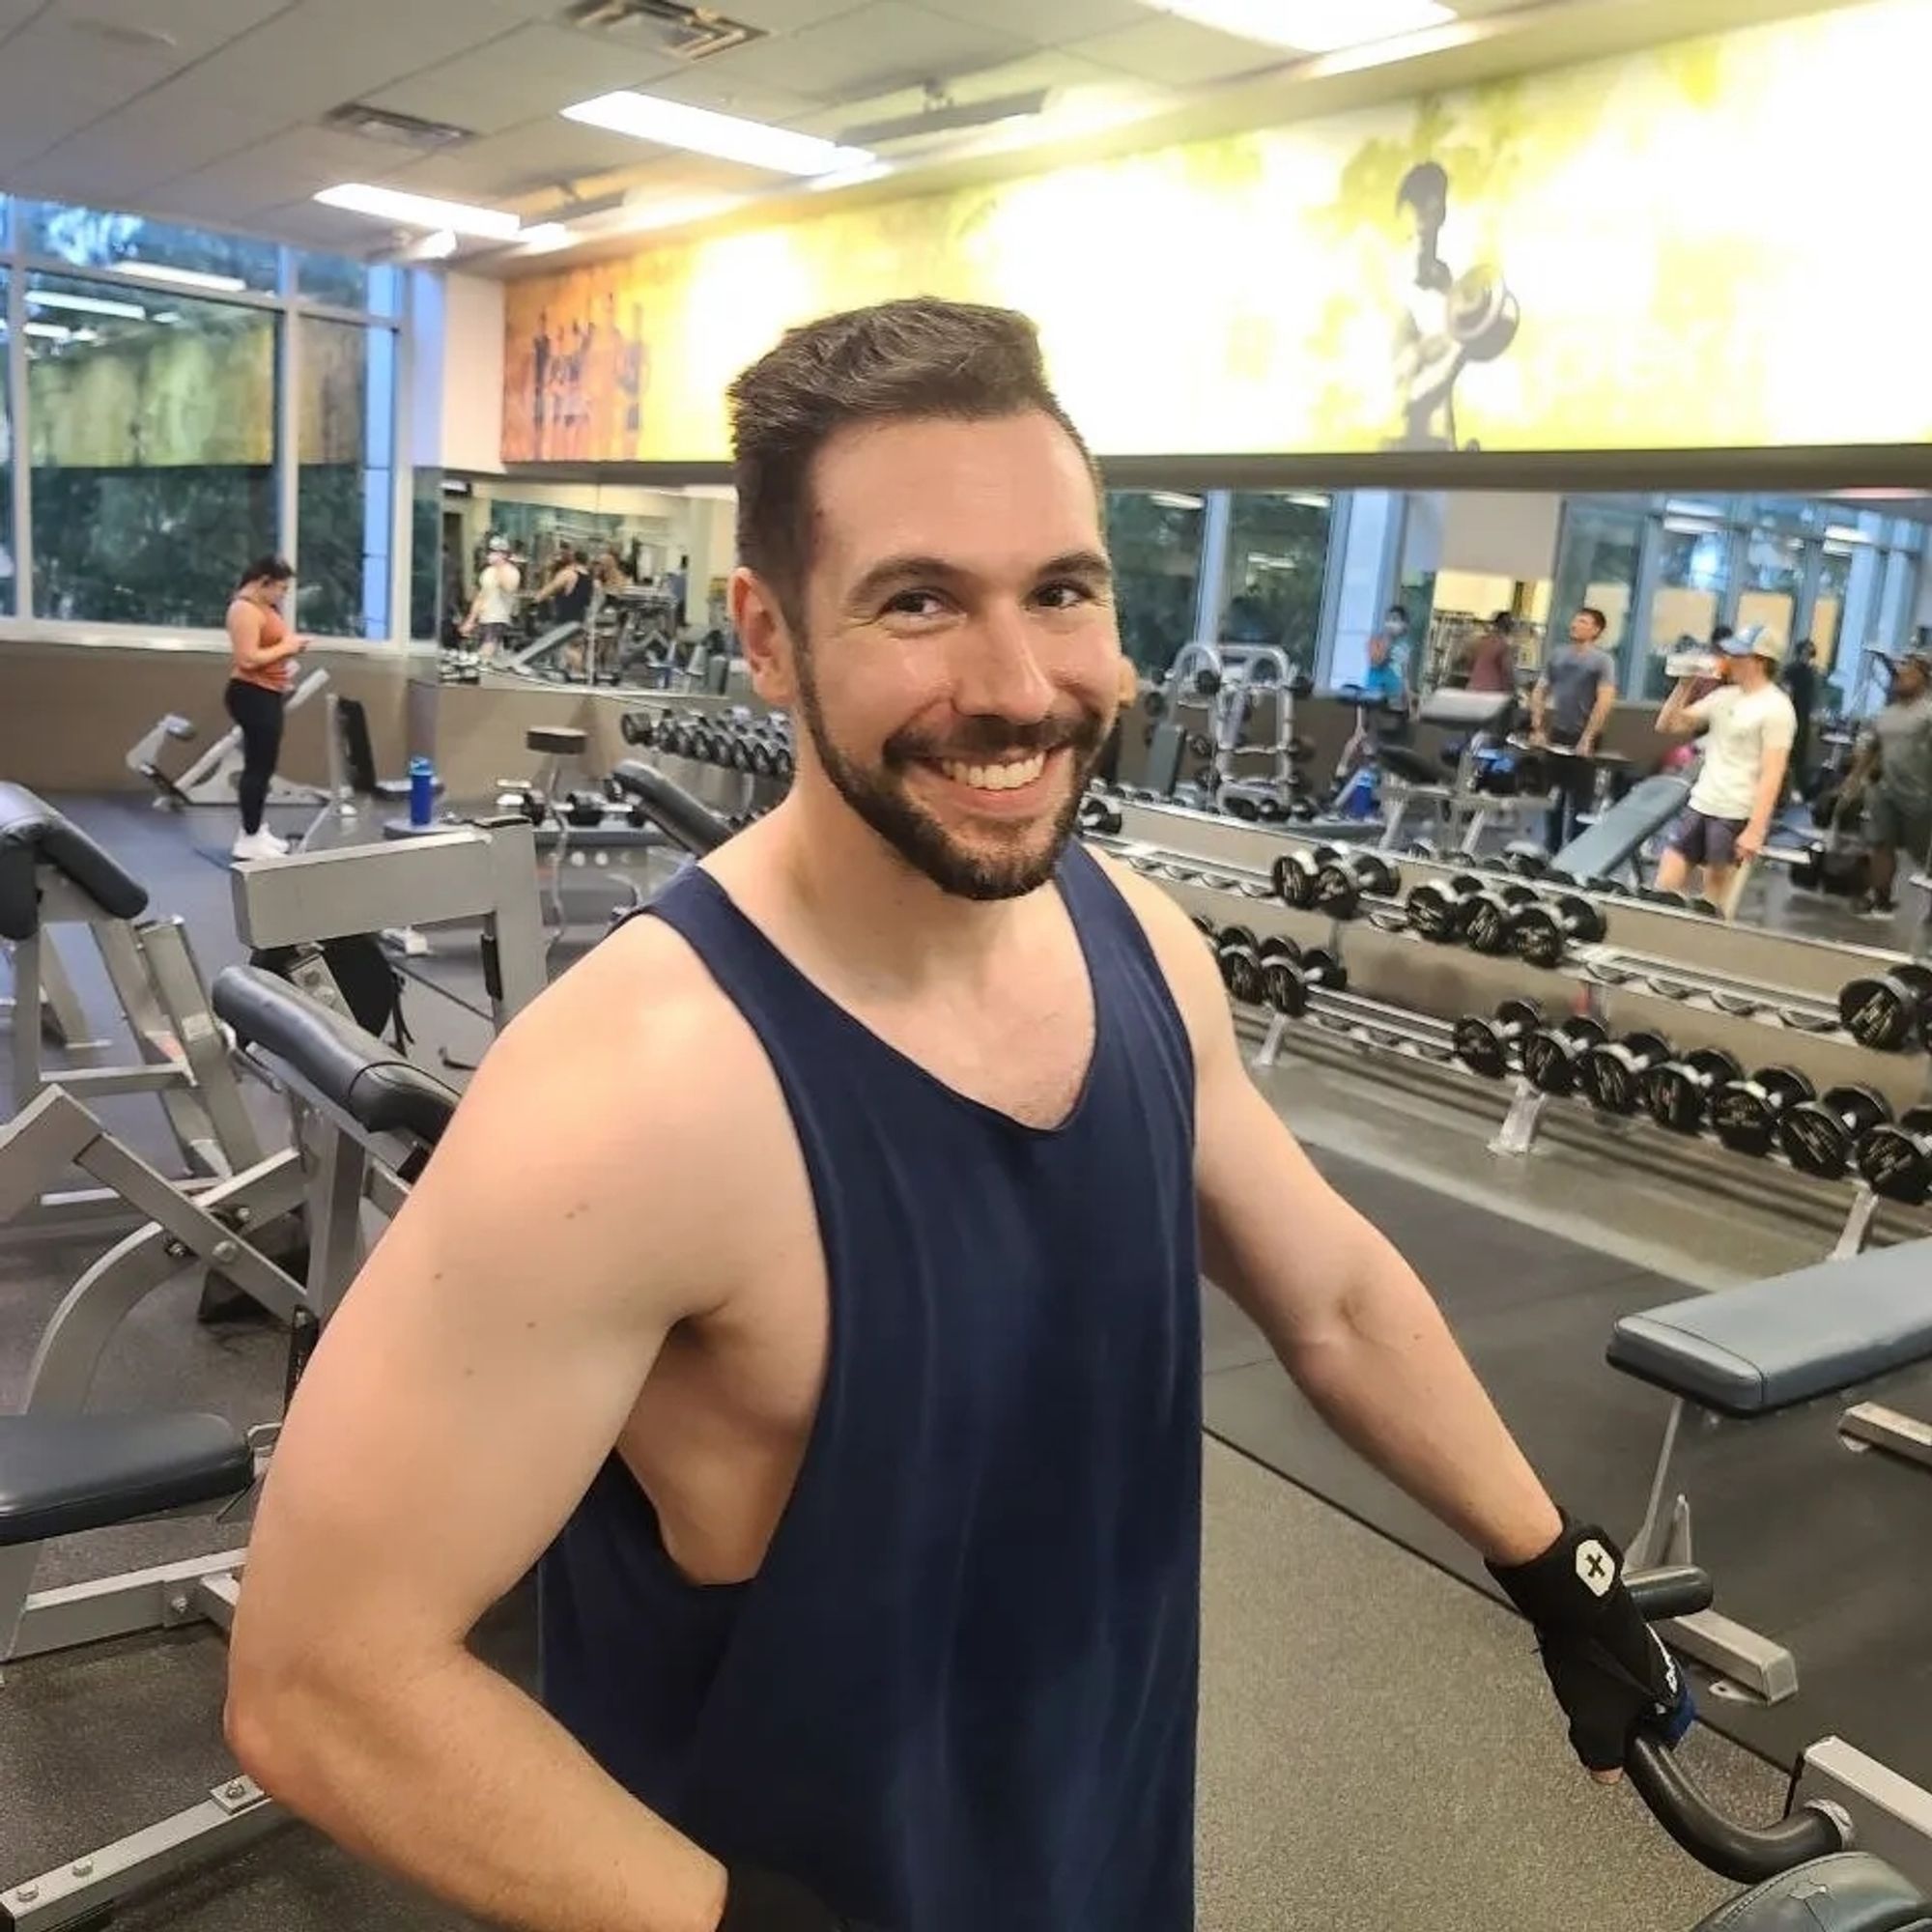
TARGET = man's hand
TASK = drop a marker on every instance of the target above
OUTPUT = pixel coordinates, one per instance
(1750, 842)
(1539, 737)
(1586, 746)
(1610, 1674)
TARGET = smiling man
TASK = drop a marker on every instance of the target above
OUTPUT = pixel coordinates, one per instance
(809, 1281)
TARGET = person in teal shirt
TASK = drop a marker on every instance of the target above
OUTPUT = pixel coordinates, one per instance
(1383, 679)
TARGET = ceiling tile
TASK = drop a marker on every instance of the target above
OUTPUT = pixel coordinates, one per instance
(531, 71)
(289, 167)
(717, 85)
(784, 16)
(1058, 71)
(1047, 23)
(540, 154)
(1177, 52)
(886, 44)
(194, 27)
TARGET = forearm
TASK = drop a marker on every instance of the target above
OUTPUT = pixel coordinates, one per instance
(1606, 702)
(1769, 791)
(456, 1779)
(1672, 722)
(1389, 1379)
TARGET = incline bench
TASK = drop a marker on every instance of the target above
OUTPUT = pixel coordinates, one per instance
(1757, 1351)
(64, 1472)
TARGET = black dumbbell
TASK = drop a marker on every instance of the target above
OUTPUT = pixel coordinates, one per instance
(1345, 880)
(1821, 1136)
(1245, 961)
(1552, 1055)
(1207, 928)
(1891, 1011)
(1289, 973)
(1438, 907)
(1895, 1158)
(1706, 908)
(1489, 922)
(1423, 848)
(1297, 871)
(1098, 815)
(1656, 896)
(1490, 1047)
(1525, 859)
(585, 808)
(1303, 809)
(1612, 1073)
(525, 799)
(1677, 1093)
(1746, 1113)
(635, 815)
(636, 727)
(1544, 932)
(1607, 888)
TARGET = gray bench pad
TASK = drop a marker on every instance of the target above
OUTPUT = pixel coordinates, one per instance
(1770, 1345)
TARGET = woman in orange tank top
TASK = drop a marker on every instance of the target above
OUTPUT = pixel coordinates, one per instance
(264, 650)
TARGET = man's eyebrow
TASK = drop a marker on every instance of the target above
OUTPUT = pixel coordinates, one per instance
(910, 568)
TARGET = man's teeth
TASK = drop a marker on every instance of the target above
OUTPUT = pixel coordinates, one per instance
(995, 778)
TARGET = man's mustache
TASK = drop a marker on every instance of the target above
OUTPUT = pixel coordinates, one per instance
(984, 740)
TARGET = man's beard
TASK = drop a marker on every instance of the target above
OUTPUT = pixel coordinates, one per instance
(883, 800)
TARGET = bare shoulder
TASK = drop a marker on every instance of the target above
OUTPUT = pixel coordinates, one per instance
(633, 1077)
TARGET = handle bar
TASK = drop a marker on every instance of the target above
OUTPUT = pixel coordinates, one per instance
(1745, 1853)
(686, 820)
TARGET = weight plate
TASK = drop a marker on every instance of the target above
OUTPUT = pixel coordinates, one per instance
(1278, 946)
(1539, 936)
(1858, 1106)
(1323, 969)
(1522, 1015)
(1917, 977)
(1814, 1141)
(1337, 891)
(1609, 1079)
(1674, 1097)
(1286, 987)
(1487, 923)
(1207, 928)
(1648, 1047)
(1239, 805)
(1898, 1164)
(1785, 1085)
(1744, 1118)
(1717, 1066)
(1479, 1048)
(1580, 1029)
(1916, 1120)
(1550, 1063)
(1878, 1012)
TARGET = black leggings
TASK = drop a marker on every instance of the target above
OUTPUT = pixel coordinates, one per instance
(259, 714)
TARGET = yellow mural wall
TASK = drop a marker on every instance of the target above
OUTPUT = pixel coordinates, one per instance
(1708, 245)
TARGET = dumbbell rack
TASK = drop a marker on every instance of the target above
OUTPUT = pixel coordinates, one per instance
(1340, 1026)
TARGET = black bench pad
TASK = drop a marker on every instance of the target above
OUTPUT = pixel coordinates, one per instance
(1770, 1345)
(33, 834)
(687, 819)
(380, 1089)
(1849, 1893)
(63, 1474)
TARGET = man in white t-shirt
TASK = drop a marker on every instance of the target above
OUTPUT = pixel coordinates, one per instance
(495, 607)
(1751, 728)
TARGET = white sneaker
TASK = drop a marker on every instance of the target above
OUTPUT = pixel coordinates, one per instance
(276, 848)
(253, 845)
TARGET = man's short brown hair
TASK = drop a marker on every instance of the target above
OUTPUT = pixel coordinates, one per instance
(896, 362)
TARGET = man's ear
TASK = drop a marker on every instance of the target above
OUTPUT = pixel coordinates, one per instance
(765, 637)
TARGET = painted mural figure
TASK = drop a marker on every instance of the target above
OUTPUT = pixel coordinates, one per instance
(1448, 320)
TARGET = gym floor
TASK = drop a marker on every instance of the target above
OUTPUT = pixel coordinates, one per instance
(1378, 1746)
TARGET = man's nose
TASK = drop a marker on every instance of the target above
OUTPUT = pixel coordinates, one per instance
(998, 672)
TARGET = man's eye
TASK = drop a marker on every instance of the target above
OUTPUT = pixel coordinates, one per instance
(914, 603)
(1066, 595)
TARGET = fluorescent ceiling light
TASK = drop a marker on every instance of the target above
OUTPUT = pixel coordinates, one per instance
(421, 211)
(171, 317)
(1313, 26)
(49, 331)
(867, 170)
(671, 123)
(1174, 499)
(1843, 533)
(546, 237)
(1692, 526)
(86, 304)
(184, 278)
(436, 247)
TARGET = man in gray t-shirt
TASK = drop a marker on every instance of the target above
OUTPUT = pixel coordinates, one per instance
(1573, 697)
(1899, 804)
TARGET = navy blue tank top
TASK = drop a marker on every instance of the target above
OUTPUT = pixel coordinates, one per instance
(960, 1693)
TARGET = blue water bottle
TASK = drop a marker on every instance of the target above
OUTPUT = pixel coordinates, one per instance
(422, 792)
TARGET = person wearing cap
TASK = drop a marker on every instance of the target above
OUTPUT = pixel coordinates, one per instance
(495, 605)
(1749, 727)
(1893, 767)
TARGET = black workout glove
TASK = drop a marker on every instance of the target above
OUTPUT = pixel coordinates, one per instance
(756, 1901)
(1610, 1673)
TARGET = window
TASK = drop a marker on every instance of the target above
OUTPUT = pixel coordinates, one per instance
(344, 283)
(426, 555)
(343, 502)
(1596, 564)
(1277, 557)
(1693, 575)
(1155, 539)
(1774, 580)
(150, 435)
(9, 575)
(182, 257)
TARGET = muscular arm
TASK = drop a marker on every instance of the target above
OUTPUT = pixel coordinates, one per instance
(1600, 711)
(1345, 1313)
(463, 1398)
(1680, 717)
(1539, 702)
(244, 639)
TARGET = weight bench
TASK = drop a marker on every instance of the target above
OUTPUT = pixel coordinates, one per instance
(213, 777)
(1613, 843)
(1755, 1351)
(64, 1472)
(1412, 776)
(53, 874)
